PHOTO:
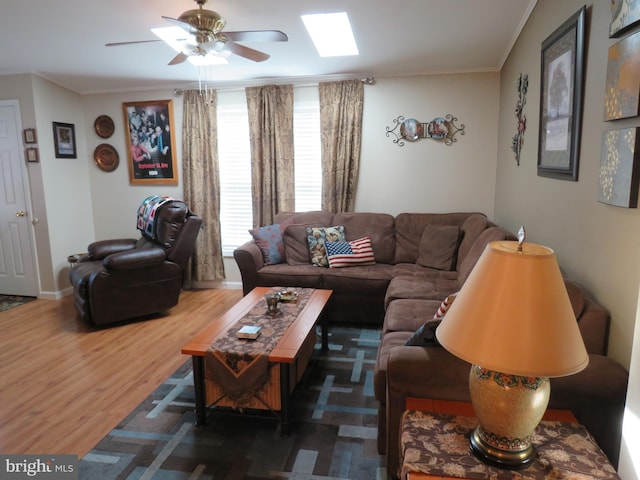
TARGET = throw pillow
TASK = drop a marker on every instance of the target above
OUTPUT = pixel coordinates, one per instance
(317, 237)
(425, 335)
(445, 305)
(439, 246)
(348, 254)
(269, 240)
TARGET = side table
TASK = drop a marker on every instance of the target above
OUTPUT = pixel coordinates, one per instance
(434, 444)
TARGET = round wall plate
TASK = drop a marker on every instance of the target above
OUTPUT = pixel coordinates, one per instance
(104, 126)
(106, 157)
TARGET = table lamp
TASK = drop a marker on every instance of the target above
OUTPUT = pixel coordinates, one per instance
(513, 321)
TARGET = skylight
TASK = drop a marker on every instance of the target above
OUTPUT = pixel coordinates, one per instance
(181, 41)
(331, 34)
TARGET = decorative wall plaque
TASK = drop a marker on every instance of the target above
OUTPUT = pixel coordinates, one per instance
(442, 129)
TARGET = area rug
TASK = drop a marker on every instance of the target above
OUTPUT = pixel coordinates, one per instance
(8, 302)
(333, 435)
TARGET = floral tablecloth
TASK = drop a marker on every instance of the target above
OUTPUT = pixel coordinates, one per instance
(438, 444)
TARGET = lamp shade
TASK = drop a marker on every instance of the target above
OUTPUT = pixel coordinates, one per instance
(513, 315)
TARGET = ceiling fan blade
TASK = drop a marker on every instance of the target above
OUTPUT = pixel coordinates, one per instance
(117, 44)
(257, 36)
(183, 25)
(246, 52)
(180, 58)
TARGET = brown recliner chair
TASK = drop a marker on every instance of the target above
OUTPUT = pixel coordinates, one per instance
(119, 280)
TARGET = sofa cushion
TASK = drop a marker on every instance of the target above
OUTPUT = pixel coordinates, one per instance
(405, 315)
(491, 234)
(379, 227)
(472, 227)
(296, 247)
(284, 275)
(317, 237)
(439, 246)
(361, 280)
(350, 254)
(427, 288)
(409, 228)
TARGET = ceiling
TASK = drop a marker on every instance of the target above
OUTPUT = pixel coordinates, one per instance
(64, 40)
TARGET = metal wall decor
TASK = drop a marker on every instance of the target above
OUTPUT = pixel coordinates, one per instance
(518, 138)
(441, 129)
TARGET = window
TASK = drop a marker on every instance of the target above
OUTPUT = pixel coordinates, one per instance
(235, 162)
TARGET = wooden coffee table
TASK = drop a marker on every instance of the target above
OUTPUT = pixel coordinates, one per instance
(292, 351)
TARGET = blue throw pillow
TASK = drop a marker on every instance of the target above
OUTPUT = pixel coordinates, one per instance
(269, 240)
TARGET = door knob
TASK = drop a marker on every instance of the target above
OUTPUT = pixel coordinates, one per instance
(21, 213)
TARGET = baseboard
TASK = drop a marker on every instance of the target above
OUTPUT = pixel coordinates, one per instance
(217, 284)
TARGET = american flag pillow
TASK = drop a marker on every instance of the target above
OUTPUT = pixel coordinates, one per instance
(347, 254)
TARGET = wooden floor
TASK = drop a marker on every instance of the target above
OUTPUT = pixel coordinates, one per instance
(64, 385)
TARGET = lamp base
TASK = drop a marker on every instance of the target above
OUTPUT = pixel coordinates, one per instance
(508, 408)
(499, 458)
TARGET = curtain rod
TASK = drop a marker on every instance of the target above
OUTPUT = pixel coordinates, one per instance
(366, 80)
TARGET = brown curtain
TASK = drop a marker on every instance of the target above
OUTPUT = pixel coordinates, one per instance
(270, 110)
(202, 181)
(341, 135)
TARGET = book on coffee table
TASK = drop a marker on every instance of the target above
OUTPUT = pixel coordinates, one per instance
(249, 332)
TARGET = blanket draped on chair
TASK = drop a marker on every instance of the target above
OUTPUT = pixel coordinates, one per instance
(241, 367)
(147, 214)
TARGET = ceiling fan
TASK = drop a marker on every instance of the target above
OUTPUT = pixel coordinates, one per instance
(204, 36)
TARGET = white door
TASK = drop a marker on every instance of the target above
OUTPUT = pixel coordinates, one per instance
(17, 266)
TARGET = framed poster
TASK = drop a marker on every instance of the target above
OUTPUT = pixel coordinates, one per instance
(64, 140)
(150, 141)
(562, 73)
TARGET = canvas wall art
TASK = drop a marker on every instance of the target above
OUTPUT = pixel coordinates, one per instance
(623, 79)
(619, 168)
(625, 14)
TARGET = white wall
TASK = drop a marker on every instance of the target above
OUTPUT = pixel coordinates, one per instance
(68, 215)
(425, 175)
(421, 176)
(596, 244)
(115, 201)
(629, 464)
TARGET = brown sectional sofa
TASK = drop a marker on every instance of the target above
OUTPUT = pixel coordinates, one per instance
(596, 395)
(420, 258)
(360, 293)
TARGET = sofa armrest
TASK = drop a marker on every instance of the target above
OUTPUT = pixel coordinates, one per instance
(423, 372)
(136, 258)
(596, 396)
(249, 259)
(103, 248)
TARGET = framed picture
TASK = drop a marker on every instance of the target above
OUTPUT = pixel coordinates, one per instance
(150, 141)
(562, 73)
(64, 140)
(625, 14)
(622, 90)
(30, 135)
(31, 154)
